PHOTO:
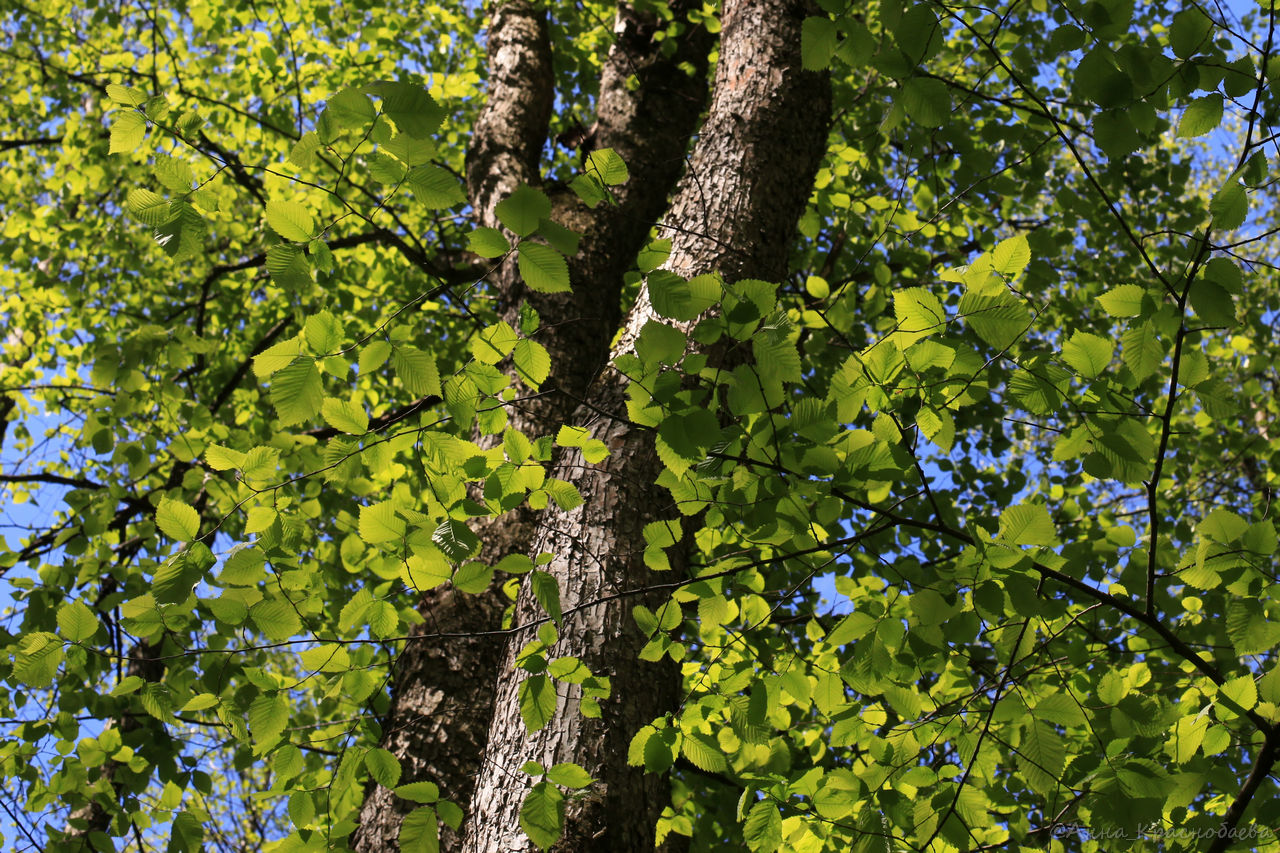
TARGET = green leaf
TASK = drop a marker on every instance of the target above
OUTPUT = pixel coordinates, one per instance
(410, 106)
(1189, 32)
(379, 523)
(288, 267)
(569, 776)
(1122, 301)
(324, 333)
(473, 578)
(297, 392)
(223, 458)
(419, 792)
(277, 620)
(919, 313)
(523, 210)
(818, 39)
(173, 581)
(267, 718)
(1229, 207)
(1241, 691)
(345, 416)
(290, 220)
(762, 829)
(547, 591)
(488, 242)
(373, 356)
(1042, 757)
(383, 767)
(435, 188)
(1027, 524)
(417, 370)
(543, 268)
(1201, 116)
(1142, 352)
(38, 658)
(494, 343)
(1089, 354)
(999, 320)
(178, 520)
(420, 831)
(76, 621)
(125, 96)
(128, 131)
(537, 696)
(532, 362)
(606, 166)
(148, 207)
(703, 752)
(542, 814)
(1212, 303)
(926, 101)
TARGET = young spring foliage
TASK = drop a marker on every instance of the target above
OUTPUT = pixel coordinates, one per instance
(1012, 401)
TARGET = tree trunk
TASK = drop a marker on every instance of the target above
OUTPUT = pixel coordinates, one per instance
(443, 690)
(734, 213)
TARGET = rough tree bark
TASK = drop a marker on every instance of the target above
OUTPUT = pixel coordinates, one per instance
(734, 213)
(442, 695)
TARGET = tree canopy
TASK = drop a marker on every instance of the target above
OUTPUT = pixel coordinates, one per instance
(654, 424)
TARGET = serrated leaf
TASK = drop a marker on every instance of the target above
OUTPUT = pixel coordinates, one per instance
(456, 540)
(383, 767)
(570, 776)
(147, 207)
(297, 392)
(532, 362)
(494, 343)
(379, 523)
(420, 831)
(542, 815)
(410, 106)
(417, 370)
(1122, 301)
(1043, 757)
(1142, 352)
(38, 658)
(1229, 207)
(488, 243)
(537, 696)
(1201, 116)
(76, 621)
(125, 96)
(345, 416)
(818, 39)
(277, 620)
(419, 792)
(324, 333)
(435, 188)
(762, 829)
(523, 210)
(223, 458)
(288, 267)
(926, 101)
(373, 356)
(1088, 354)
(703, 752)
(290, 220)
(607, 167)
(543, 268)
(547, 591)
(128, 131)
(267, 718)
(177, 520)
(1027, 524)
